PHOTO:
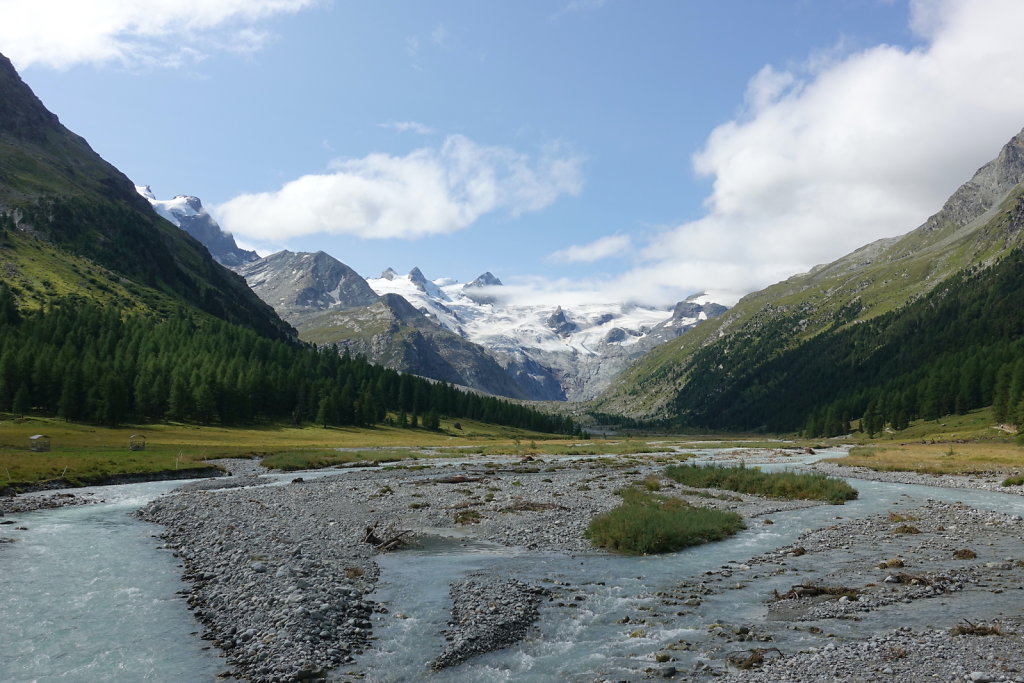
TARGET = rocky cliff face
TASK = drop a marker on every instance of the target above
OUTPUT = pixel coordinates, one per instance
(301, 286)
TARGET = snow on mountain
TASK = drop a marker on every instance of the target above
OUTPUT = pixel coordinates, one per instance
(583, 345)
(187, 213)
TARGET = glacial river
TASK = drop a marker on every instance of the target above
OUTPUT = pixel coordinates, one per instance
(87, 594)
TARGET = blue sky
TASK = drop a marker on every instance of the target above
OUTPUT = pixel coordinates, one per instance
(630, 149)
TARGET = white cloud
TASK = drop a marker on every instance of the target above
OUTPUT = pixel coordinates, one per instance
(408, 127)
(427, 192)
(855, 147)
(602, 248)
(62, 33)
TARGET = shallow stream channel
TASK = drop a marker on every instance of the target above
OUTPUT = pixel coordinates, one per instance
(88, 593)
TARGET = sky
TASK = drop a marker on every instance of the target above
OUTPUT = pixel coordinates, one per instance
(581, 150)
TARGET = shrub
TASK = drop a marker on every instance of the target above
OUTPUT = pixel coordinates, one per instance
(784, 485)
(645, 524)
(468, 517)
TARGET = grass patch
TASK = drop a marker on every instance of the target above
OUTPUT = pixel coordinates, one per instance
(783, 485)
(1014, 481)
(645, 524)
(468, 517)
(895, 517)
(967, 458)
(971, 629)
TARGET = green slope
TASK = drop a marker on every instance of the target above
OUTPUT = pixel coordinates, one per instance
(976, 227)
(65, 211)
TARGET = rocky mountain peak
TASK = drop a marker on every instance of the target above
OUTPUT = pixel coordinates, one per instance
(485, 280)
(559, 322)
(389, 274)
(187, 212)
(984, 190)
(417, 277)
(301, 285)
(192, 202)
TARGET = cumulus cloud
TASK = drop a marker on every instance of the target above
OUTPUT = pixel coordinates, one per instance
(850, 148)
(427, 192)
(605, 247)
(62, 33)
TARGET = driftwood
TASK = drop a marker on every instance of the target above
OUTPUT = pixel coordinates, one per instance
(969, 628)
(455, 479)
(394, 540)
(806, 590)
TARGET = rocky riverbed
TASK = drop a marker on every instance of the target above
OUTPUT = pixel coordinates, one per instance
(282, 577)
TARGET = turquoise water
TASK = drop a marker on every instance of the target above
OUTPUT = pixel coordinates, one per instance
(87, 596)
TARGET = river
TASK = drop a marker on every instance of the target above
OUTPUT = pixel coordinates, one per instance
(88, 594)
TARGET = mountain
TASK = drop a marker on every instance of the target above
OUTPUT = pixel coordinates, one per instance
(393, 333)
(73, 225)
(873, 323)
(329, 303)
(465, 333)
(576, 348)
(187, 213)
(302, 286)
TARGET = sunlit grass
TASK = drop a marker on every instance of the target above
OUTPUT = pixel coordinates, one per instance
(938, 458)
(86, 453)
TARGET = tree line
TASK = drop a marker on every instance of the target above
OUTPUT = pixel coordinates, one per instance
(84, 362)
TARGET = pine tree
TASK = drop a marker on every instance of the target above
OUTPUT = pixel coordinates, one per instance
(21, 402)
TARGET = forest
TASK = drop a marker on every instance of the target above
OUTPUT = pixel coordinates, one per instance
(84, 362)
(958, 348)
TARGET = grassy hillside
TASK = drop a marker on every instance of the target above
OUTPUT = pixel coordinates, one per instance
(979, 225)
(72, 224)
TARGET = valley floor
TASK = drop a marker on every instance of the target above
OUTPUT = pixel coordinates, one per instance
(283, 577)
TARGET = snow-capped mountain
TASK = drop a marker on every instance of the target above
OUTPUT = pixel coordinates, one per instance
(465, 333)
(582, 346)
(187, 213)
